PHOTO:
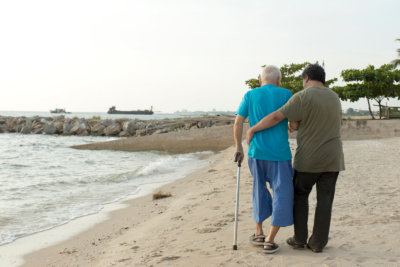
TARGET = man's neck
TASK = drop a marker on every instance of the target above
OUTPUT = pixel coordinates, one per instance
(313, 83)
(269, 83)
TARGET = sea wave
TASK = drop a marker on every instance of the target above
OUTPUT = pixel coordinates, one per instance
(44, 183)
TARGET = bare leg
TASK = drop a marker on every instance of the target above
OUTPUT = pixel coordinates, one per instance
(271, 236)
(259, 230)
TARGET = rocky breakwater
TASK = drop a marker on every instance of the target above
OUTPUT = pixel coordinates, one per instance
(62, 125)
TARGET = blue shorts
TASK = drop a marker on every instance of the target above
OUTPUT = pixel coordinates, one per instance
(279, 176)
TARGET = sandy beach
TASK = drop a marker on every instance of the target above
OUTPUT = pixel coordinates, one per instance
(195, 225)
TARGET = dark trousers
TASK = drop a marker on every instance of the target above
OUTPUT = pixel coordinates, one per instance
(303, 184)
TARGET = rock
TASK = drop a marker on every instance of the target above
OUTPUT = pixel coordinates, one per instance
(161, 131)
(27, 128)
(113, 130)
(189, 125)
(10, 124)
(124, 134)
(203, 124)
(221, 123)
(107, 123)
(59, 127)
(60, 118)
(129, 127)
(79, 127)
(83, 132)
(83, 125)
(140, 125)
(119, 127)
(38, 131)
(97, 129)
(67, 128)
(21, 120)
(141, 132)
(176, 126)
(149, 124)
(49, 128)
(17, 128)
(74, 129)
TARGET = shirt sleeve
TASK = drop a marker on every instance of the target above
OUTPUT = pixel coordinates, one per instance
(289, 95)
(243, 109)
(293, 108)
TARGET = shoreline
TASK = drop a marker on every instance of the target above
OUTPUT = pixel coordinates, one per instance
(13, 253)
(91, 226)
(195, 225)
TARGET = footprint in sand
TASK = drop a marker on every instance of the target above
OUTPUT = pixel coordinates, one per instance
(123, 260)
(221, 223)
(347, 246)
(208, 230)
(177, 218)
(170, 258)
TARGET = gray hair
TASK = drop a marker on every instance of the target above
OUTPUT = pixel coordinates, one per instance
(270, 74)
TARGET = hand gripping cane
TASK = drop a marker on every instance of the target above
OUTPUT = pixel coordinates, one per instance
(237, 200)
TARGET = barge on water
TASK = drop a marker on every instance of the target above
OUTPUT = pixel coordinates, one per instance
(113, 110)
(59, 110)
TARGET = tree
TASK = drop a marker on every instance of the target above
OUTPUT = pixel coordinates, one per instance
(370, 83)
(396, 62)
(291, 78)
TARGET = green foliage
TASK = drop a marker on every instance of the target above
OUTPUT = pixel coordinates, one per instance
(291, 77)
(96, 118)
(370, 83)
(252, 83)
(396, 62)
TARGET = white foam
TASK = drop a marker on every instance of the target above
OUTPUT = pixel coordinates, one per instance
(12, 254)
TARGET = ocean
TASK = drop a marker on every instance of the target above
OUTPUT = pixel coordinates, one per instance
(44, 183)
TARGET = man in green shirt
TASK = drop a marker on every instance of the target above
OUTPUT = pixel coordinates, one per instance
(319, 155)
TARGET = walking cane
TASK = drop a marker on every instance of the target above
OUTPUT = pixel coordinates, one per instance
(237, 201)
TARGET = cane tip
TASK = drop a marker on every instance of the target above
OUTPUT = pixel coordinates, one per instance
(234, 247)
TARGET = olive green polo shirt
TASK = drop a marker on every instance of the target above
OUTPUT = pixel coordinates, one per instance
(319, 145)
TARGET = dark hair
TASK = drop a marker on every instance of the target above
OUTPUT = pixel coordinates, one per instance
(314, 72)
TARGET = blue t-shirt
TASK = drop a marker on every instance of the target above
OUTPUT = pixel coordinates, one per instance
(271, 144)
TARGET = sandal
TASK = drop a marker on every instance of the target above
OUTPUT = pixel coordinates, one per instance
(273, 247)
(293, 243)
(253, 240)
(315, 250)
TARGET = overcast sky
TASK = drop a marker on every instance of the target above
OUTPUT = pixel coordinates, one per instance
(177, 54)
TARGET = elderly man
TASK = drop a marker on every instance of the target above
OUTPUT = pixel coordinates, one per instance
(269, 158)
(319, 155)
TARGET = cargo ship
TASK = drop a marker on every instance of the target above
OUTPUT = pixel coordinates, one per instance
(113, 110)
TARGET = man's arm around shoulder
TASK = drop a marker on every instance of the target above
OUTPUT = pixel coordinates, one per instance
(267, 122)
